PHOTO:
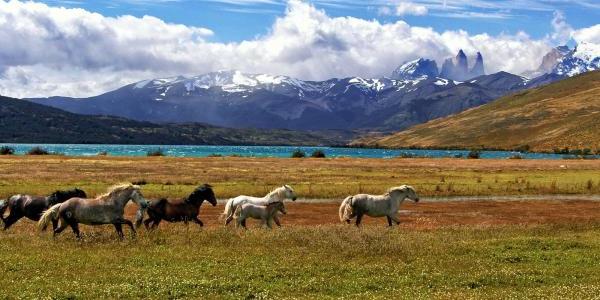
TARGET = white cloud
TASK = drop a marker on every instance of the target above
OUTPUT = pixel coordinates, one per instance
(589, 35)
(73, 52)
(562, 30)
(409, 8)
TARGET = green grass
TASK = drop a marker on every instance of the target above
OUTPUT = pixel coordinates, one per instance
(307, 262)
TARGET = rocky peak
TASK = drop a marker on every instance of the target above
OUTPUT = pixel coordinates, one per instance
(416, 69)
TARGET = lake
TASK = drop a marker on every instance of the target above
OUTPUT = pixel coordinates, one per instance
(259, 151)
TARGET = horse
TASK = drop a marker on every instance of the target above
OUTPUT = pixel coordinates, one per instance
(105, 209)
(276, 195)
(264, 213)
(182, 210)
(32, 207)
(376, 206)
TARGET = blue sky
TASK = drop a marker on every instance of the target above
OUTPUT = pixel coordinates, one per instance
(83, 48)
(236, 20)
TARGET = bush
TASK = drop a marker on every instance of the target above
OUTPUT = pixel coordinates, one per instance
(298, 154)
(38, 151)
(474, 154)
(516, 156)
(6, 150)
(156, 152)
(318, 154)
(140, 182)
(102, 153)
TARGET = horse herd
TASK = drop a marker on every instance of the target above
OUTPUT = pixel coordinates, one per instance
(70, 208)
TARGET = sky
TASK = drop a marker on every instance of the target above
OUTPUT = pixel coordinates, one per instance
(84, 48)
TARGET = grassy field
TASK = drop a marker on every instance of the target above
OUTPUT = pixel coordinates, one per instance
(312, 178)
(500, 262)
(448, 250)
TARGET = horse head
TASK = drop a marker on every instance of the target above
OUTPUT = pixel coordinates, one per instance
(201, 193)
(62, 196)
(277, 206)
(289, 193)
(405, 191)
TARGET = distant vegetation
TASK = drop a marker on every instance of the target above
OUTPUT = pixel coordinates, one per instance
(156, 152)
(474, 154)
(38, 151)
(298, 154)
(6, 150)
(318, 154)
(561, 117)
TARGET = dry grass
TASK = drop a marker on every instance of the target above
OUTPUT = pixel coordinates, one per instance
(312, 178)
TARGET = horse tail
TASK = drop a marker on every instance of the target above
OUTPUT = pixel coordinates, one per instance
(48, 216)
(3, 206)
(228, 208)
(346, 209)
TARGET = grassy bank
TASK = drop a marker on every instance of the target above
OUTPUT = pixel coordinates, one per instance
(312, 178)
(554, 261)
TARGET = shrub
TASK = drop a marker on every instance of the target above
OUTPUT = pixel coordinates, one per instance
(474, 154)
(102, 153)
(6, 150)
(140, 182)
(318, 154)
(516, 156)
(215, 155)
(38, 151)
(156, 152)
(298, 154)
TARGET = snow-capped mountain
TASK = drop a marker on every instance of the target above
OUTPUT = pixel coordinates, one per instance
(584, 58)
(416, 69)
(237, 99)
(563, 62)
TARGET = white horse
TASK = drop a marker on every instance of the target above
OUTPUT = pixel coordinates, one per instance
(264, 213)
(277, 195)
(376, 206)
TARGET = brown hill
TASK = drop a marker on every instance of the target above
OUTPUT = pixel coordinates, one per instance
(560, 115)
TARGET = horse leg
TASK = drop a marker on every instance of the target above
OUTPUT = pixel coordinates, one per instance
(155, 223)
(197, 221)
(75, 228)
(396, 219)
(358, 219)
(54, 224)
(276, 219)
(11, 219)
(130, 224)
(147, 223)
(119, 229)
(268, 222)
(229, 218)
(63, 226)
(389, 219)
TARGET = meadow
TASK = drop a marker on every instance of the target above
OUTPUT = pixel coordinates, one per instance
(546, 248)
(311, 178)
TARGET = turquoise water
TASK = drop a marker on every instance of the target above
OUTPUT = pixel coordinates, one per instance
(258, 151)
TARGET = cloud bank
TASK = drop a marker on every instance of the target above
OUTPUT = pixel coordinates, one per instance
(73, 52)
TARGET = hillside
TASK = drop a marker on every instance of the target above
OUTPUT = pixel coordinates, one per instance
(26, 122)
(559, 115)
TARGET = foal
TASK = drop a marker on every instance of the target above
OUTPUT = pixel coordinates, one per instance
(264, 213)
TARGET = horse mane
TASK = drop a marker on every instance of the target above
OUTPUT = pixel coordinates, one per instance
(276, 191)
(401, 188)
(115, 189)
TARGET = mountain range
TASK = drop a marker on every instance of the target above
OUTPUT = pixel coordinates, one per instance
(416, 92)
(25, 122)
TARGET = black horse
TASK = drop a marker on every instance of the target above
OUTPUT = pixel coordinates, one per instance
(182, 210)
(32, 207)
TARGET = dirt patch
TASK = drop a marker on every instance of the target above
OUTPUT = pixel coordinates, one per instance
(443, 214)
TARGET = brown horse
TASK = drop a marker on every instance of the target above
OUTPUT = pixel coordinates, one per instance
(183, 210)
(32, 207)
